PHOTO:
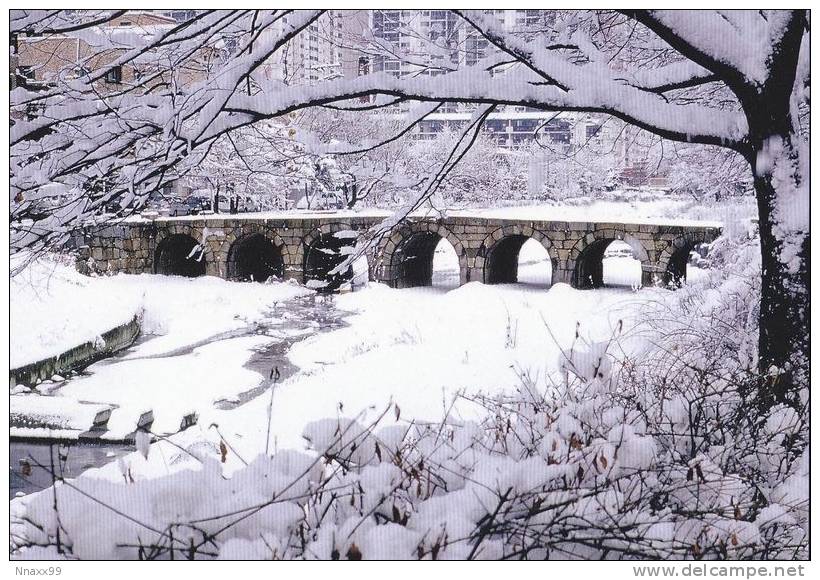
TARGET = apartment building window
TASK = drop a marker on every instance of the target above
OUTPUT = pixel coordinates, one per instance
(592, 131)
(496, 125)
(476, 49)
(525, 125)
(114, 75)
(386, 24)
(443, 24)
(528, 18)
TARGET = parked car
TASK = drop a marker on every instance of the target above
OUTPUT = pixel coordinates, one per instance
(178, 207)
(197, 205)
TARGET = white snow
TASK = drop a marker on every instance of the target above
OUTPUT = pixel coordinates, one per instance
(180, 311)
(54, 308)
(420, 347)
(170, 386)
(649, 208)
(59, 414)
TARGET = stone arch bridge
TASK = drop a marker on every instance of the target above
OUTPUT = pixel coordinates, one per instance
(308, 247)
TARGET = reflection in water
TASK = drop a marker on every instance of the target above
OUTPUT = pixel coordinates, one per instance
(302, 317)
(70, 460)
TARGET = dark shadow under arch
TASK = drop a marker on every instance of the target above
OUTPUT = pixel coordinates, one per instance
(675, 273)
(589, 266)
(323, 255)
(256, 258)
(412, 261)
(502, 260)
(179, 255)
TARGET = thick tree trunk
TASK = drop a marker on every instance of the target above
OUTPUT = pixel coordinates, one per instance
(781, 186)
(784, 311)
(784, 243)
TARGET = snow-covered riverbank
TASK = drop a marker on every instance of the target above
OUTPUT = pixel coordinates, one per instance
(54, 308)
(405, 360)
(419, 348)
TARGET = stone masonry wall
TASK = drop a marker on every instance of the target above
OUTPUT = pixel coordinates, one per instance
(131, 246)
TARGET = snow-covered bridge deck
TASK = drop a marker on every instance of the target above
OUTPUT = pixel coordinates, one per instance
(309, 245)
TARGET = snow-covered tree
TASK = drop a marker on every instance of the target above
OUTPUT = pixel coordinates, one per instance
(733, 79)
(709, 173)
(265, 162)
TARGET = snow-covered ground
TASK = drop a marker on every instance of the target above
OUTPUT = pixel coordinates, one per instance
(421, 347)
(418, 348)
(422, 353)
(54, 308)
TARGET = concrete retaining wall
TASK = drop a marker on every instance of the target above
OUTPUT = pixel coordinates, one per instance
(78, 357)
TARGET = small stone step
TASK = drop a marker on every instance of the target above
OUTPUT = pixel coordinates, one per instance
(188, 420)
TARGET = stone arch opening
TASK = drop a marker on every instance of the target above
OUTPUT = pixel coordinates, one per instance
(179, 255)
(518, 259)
(425, 258)
(323, 255)
(621, 267)
(254, 258)
(446, 266)
(609, 261)
(678, 265)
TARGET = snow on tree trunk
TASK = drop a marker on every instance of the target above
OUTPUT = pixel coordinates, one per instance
(783, 207)
(779, 161)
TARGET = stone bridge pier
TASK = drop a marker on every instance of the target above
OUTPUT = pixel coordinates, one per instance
(309, 248)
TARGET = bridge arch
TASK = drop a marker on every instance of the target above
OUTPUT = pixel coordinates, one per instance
(407, 256)
(674, 257)
(586, 258)
(255, 255)
(499, 252)
(322, 250)
(179, 254)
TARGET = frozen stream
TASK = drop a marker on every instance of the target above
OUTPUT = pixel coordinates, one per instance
(266, 355)
(214, 349)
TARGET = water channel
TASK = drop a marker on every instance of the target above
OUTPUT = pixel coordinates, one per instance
(31, 459)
